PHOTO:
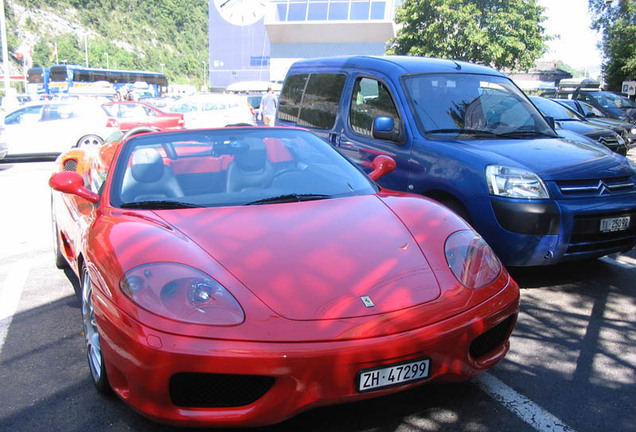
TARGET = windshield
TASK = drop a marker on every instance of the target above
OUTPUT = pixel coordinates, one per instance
(231, 167)
(474, 106)
(611, 100)
(555, 110)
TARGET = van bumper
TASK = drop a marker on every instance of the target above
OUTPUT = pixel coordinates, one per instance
(544, 232)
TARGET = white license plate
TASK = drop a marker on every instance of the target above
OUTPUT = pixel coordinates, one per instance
(615, 224)
(396, 374)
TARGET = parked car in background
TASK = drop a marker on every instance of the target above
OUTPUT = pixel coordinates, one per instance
(566, 118)
(4, 146)
(132, 114)
(465, 135)
(214, 110)
(49, 128)
(239, 276)
(595, 116)
(254, 99)
(610, 104)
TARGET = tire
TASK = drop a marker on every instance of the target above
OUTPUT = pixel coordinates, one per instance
(91, 336)
(89, 140)
(458, 208)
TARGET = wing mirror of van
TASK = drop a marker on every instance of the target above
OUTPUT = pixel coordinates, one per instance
(551, 121)
(382, 164)
(383, 129)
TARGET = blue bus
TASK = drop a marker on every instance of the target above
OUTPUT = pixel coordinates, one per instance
(62, 79)
(37, 82)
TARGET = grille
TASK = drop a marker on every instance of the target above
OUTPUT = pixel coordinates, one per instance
(491, 339)
(70, 165)
(609, 141)
(596, 187)
(587, 236)
(200, 390)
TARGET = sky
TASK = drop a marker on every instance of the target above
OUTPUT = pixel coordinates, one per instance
(576, 45)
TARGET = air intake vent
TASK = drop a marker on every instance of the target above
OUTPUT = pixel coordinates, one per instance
(201, 390)
(70, 165)
(491, 339)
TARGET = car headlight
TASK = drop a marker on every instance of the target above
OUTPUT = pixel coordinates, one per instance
(471, 260)
(514, 183)
(181, 293)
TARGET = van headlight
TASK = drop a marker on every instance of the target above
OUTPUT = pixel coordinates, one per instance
(512, 182)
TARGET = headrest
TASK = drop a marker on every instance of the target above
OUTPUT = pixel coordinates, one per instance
(147, 165)
(251, 155)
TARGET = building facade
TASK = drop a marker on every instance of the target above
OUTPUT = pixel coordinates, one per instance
(257, 40)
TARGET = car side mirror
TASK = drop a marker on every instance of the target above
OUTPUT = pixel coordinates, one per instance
(382, 164)
(551, 121)
(72, 183)
(383, 128)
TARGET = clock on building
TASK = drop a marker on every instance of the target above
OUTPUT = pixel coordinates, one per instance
(241, 12)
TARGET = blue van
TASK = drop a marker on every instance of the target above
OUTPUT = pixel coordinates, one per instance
(465, 135)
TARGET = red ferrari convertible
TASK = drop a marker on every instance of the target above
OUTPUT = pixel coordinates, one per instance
(238, 276)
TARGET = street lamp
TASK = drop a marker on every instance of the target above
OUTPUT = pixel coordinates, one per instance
(162, 65)
(107, 64)
(205, 80)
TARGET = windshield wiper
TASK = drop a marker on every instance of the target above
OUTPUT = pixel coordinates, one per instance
(289, 198)
(526, 134)
(158, 205)
(472, 132)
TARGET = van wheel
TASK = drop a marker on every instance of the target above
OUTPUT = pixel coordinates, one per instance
(457, 207)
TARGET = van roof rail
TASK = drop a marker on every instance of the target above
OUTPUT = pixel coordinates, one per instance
(579, 83)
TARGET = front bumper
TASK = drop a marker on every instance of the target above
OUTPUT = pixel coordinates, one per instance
(532, 233)
(157, 372)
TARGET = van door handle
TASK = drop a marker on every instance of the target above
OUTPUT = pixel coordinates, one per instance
(347, 144)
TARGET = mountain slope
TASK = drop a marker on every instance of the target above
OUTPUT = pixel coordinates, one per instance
(155, 35)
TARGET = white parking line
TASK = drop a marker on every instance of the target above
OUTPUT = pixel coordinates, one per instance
(523, 407)
(10, 293)
(621, 261)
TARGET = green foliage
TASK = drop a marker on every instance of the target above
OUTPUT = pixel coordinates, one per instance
(617, 20)
(502, 34)
(136, 34)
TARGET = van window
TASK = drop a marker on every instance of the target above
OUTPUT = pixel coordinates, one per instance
(312, 99)
(371, 99)
(473, 106)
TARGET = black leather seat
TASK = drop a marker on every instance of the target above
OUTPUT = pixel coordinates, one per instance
(149, 179)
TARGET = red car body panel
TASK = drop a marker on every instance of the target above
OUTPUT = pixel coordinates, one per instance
(298, 270)
(143, 115)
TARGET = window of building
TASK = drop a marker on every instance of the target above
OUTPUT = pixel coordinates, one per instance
(330, 10)
(317, 10)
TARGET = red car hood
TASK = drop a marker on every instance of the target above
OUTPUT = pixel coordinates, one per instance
(316, 260)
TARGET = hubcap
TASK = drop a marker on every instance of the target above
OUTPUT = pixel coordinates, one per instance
(93, 347)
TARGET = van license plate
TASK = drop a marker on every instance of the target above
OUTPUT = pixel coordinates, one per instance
(615, 224)
(396, 374)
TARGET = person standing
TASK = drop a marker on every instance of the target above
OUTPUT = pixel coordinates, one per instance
(269, 104)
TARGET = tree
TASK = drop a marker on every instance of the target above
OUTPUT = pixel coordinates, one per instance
(502, 34)
(617, 20)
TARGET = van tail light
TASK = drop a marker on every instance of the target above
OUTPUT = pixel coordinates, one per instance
(181, 121)
(112, 123)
